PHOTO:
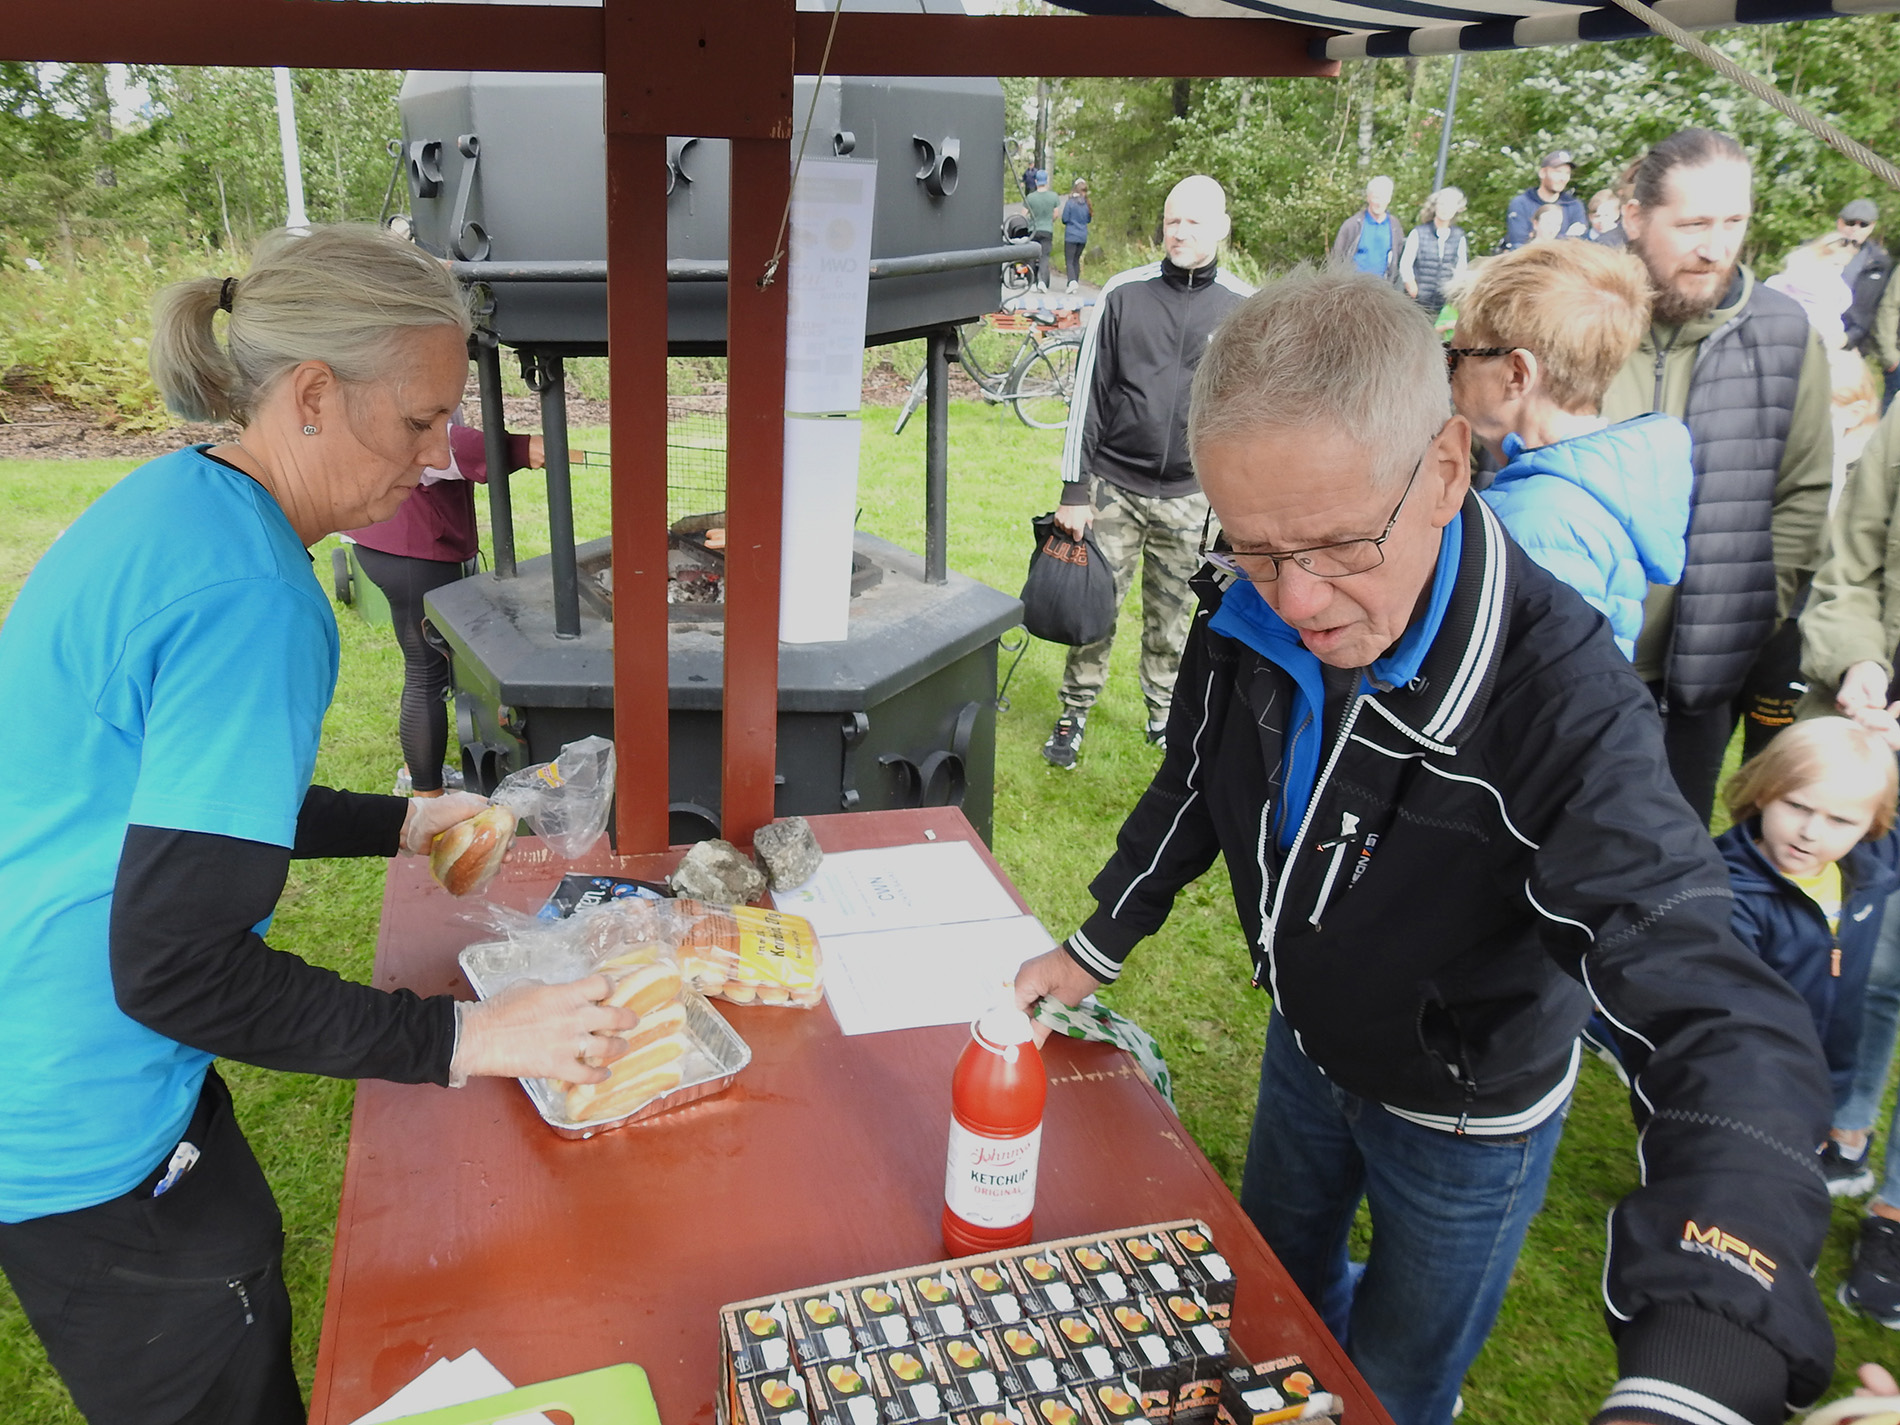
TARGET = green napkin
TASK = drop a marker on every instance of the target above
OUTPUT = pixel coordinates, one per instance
(1094, 1020)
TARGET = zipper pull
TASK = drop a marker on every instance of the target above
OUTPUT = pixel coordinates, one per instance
(1834, 967)
(244, 1296)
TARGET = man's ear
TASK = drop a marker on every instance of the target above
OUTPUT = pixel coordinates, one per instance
(1445, 476)
(1632, 218)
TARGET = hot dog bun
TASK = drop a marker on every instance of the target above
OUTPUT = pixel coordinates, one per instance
(643, 1074)
(646, 987)
(466, 857)
(668, 1020)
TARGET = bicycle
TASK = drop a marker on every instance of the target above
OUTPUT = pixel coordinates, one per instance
(1037, 381)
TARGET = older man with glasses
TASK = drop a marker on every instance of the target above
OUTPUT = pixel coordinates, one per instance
(1450, 828)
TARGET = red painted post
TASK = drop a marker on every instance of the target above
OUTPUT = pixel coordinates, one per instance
(636, 334)
(755, 457)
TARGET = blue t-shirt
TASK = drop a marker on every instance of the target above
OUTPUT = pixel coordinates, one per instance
(1374, 253)
(175, 654)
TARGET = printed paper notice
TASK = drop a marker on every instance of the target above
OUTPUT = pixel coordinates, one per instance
(897, 887)
(936, 974)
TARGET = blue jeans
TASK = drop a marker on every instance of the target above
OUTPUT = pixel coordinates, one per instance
(1448, 1217)
(1879, 1016)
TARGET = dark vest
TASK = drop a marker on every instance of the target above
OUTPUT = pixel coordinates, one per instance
(1433, 264)
(1741, 404)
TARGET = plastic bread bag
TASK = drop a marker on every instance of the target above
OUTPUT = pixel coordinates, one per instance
(566, 801)
(750, 955)
(610, 937)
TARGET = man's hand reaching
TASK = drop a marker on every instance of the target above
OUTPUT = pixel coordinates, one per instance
(1056, 975)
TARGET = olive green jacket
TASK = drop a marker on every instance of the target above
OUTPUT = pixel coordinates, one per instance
(1853, 614)
(1886, 331)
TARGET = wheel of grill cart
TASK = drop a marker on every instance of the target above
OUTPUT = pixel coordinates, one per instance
(1044, 382)
(340, 576)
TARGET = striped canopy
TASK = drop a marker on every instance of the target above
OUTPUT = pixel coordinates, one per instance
(1388, 28)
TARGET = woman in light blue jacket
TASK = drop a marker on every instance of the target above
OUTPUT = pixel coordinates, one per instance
(1541, 332)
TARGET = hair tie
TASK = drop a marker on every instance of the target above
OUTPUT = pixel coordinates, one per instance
(225, 291)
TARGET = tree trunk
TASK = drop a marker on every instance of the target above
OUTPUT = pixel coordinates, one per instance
(1042, 123)
(1365, 119)
(1183, 97)
(99, 116)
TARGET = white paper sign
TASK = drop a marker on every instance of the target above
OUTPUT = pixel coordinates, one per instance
(828, 284)
(933, 974)
(898, 887)
(820, 512)
(449, 1381)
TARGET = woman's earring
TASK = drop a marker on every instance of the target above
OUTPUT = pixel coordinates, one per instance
(309, 430)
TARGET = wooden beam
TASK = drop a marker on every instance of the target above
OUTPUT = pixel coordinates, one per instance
(636, 326)
(308, 34)
(350, 34)
(755, 477)
(704, 67)
(1075, 46)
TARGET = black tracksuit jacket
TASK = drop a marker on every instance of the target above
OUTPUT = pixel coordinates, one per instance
(1488, 849)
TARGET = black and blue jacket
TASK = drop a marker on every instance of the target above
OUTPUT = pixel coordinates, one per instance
(1490, 850)
(1776, 919)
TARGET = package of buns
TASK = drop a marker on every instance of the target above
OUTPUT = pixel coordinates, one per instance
(750, 955)
(679, 1048)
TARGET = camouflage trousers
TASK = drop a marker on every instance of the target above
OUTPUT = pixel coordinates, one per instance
(1163, 537)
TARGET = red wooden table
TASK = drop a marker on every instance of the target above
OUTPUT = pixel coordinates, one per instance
(466, 1222)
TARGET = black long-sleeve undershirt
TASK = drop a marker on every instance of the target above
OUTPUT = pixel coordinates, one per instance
(187, 964)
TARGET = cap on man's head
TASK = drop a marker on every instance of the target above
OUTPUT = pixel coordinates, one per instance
(1556, 158)
(1861, 210)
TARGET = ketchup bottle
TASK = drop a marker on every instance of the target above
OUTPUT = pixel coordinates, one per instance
(996, 1098)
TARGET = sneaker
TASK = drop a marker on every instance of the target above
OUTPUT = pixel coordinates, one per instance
(1065, 742)
(1158, 734)
(1072, 289)
(1873, 1286)
(1849, 1172)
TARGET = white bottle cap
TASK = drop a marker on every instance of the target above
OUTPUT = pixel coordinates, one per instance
(1006, 1025)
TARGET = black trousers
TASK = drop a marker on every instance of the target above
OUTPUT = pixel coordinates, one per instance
(1695, 744)
(423, 725)
(1072, 259)
(1045, 241)
(168, 1310)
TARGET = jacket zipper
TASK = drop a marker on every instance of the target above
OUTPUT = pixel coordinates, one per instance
(1655, 405)
(1174, 402)
(1312, 805)
(237, 1285)
(1340, 848)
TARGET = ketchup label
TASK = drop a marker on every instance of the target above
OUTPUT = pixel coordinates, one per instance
(991, 1182)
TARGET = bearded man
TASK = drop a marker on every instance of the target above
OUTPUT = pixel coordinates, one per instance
(1742, 368)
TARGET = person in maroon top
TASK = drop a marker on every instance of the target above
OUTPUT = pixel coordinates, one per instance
(424, 545)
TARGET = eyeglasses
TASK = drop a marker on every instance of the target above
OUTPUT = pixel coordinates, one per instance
(1322, 561)
(1455, 354)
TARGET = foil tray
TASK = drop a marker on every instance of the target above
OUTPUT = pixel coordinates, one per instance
(713, 1059)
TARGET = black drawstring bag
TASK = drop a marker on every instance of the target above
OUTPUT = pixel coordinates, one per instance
(1069, 596)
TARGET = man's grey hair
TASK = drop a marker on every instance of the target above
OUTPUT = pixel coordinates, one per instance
(1326, 350)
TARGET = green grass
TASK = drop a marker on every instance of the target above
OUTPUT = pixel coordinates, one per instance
(1549, 1358)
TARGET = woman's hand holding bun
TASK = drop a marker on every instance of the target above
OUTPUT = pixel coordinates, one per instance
(428, 817)
(538, 1031)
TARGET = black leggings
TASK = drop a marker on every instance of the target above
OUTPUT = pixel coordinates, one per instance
(424, 725)
(1072, 259)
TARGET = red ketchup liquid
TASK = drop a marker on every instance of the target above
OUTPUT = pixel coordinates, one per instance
(996, 1100)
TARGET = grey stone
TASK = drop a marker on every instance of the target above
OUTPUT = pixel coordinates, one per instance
(718, 871)
(788, 851)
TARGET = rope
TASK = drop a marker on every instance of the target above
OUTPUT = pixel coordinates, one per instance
(770, 274)
(1767, 93)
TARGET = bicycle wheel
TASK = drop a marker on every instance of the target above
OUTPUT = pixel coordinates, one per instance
(977, 348)
(1043, 383)
(918, 389)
